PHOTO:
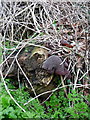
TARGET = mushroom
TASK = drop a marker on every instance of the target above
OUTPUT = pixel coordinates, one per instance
(54, 64)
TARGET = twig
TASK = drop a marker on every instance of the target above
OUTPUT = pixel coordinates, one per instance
(63, 85)
(75, 82)
(46, 93)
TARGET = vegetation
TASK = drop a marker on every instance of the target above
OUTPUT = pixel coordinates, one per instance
(58, 106)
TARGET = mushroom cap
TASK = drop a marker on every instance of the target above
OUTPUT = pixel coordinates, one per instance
(54, 64)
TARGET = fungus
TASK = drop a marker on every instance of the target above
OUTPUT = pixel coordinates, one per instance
(54, 64)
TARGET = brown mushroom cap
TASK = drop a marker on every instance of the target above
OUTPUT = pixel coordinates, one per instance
(54, 64)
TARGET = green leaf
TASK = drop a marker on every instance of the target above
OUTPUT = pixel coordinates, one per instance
(30, 114)
(5, 100)
(12, 115)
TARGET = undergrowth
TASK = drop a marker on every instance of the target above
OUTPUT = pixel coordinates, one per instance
(58, 106)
